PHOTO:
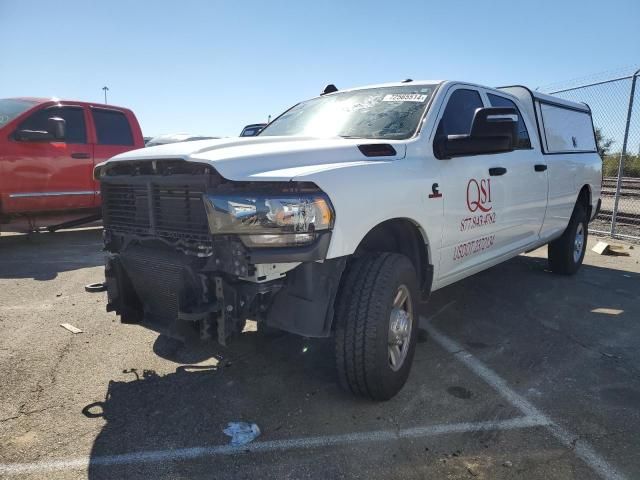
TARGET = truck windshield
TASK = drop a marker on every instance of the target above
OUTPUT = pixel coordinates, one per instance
(386, 112)
(10, 108)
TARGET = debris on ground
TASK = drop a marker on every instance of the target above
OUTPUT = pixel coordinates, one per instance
(604, 248)
(601, 248)
(241, 433)
(95, 287)
(607, 311)
(71, 328)
(472, 471)
(618, 250)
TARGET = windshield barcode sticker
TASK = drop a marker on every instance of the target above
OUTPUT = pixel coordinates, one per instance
(404, 97)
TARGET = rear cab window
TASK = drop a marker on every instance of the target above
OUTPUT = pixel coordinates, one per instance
(112, 127)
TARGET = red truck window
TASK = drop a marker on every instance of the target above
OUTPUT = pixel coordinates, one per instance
(10, 108)
(76, 131)
(112, 127)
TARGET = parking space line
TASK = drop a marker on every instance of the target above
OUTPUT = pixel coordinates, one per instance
(581, 449)
(533, 417)
(181, 454)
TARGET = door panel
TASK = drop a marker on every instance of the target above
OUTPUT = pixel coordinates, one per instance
(525, 196)
(562, 172)
(527, 184)
(50, 175)
(474, 201)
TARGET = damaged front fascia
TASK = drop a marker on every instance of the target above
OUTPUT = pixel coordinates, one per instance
(300, 302)
(304, 305)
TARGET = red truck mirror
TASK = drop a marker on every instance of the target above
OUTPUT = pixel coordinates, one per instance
(57, 127)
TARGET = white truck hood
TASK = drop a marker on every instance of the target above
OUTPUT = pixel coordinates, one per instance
(268, 158)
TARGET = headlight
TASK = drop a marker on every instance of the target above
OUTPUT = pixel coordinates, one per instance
(270, 221)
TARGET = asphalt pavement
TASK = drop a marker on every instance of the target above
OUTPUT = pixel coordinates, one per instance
(519, 373)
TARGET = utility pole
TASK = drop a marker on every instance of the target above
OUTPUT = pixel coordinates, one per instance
(105, 89)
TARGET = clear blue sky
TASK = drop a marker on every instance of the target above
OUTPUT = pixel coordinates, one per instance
(211, 67)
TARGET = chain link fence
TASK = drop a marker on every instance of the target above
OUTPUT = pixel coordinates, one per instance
(615, 104)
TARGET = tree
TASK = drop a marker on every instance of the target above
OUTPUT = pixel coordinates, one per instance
(604, 144)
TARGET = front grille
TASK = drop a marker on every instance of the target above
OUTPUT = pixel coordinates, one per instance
(174, 211)
(179, 209)
(126, 208)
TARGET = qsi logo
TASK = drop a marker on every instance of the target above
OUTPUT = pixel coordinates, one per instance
(479, 195)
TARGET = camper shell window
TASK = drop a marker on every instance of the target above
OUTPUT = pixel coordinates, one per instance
(566, 130)
(563, 126)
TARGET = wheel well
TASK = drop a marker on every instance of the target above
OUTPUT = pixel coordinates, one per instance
(584, 197)
(402, 236)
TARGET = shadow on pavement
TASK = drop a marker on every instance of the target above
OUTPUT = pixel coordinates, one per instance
(517, 314)
(191, 406)
(42, 256)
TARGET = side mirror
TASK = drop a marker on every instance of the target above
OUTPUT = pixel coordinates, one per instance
(493, 130)
(57, 128)
(56, 131)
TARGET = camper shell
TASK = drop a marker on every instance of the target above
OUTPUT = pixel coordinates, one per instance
(563, 126)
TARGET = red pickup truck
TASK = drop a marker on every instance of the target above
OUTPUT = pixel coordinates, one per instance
(48, 148)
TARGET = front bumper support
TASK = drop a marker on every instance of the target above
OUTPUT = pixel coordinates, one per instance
(182, 296)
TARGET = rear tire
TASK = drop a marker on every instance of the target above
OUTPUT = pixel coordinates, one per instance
(376, 325)
(567, 252)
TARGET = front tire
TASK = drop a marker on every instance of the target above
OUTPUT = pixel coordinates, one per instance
(377, 325)
(567, 252)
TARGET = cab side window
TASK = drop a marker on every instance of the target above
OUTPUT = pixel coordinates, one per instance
(76, 130)
(524, 142)
(459, 112)
(112, 127)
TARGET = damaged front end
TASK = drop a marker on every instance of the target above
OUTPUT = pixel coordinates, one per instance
(193, 255)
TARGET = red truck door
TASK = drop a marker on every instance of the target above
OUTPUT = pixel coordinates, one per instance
(114, 135)
(50, 175)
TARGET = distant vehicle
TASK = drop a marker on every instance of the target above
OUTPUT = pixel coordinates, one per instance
(175, 138)
(252, 130)
(48, 149)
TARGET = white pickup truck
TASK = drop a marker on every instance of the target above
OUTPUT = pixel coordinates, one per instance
(344, 213)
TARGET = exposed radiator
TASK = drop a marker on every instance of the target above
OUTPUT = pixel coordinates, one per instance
(158, 278)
